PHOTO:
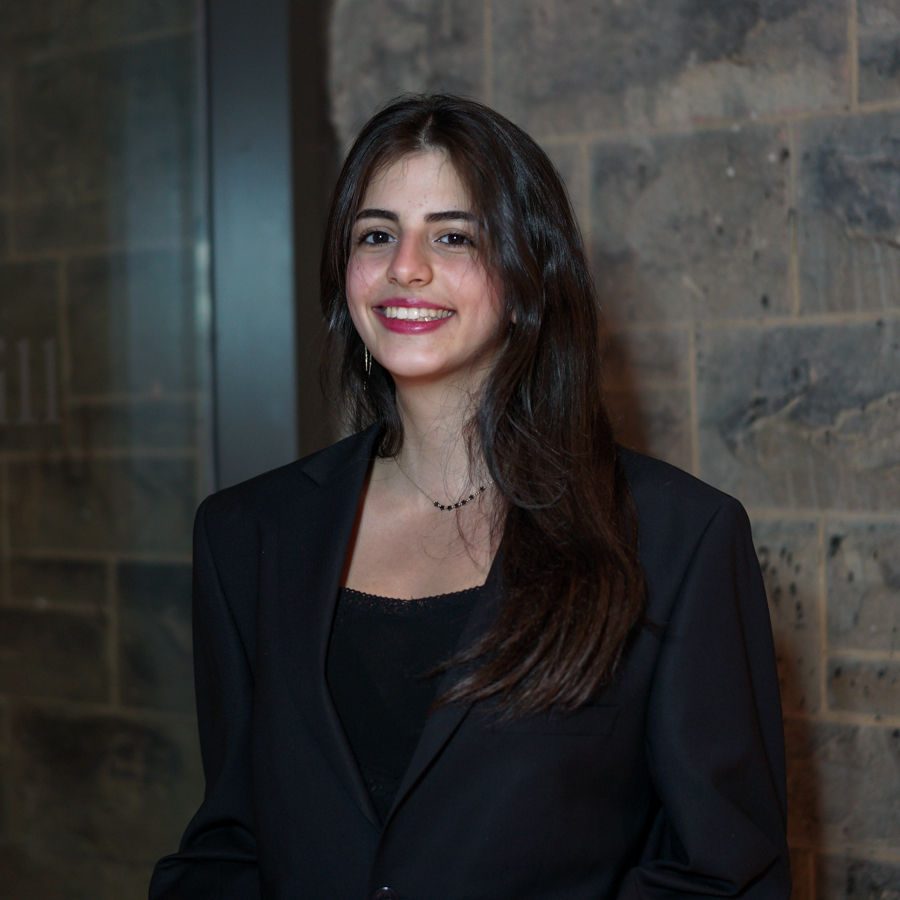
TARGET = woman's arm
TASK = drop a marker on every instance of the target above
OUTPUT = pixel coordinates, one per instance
(217, 857)
(714, 734)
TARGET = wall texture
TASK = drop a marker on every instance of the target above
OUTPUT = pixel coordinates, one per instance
(102, 423)
(736, 169)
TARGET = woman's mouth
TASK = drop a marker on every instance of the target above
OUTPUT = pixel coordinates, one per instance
(414, 313)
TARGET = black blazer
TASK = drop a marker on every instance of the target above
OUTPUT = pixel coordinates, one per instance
(670, 786)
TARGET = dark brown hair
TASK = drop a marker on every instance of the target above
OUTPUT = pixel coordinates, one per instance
(572, 582)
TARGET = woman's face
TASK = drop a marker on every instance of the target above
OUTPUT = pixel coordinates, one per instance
(418, 293)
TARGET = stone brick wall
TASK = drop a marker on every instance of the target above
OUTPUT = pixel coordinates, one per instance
(736, 169)
(102, 424)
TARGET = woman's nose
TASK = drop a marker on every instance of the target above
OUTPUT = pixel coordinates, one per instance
(410, 263)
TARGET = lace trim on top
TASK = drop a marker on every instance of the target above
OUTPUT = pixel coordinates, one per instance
(362, 601)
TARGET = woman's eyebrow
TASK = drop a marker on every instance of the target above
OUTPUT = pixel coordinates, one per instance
(441, 216)
(377, 214)
(450, 214)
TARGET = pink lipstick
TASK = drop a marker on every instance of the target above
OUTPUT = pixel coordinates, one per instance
(411, 316)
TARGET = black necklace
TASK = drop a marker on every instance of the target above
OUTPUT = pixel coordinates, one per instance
(437, 504)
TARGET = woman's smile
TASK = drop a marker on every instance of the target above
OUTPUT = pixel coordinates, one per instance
(411, 316)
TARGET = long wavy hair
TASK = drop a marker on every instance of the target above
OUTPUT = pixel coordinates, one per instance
(572, 583)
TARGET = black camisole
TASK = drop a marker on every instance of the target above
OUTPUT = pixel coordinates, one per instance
(379, 657)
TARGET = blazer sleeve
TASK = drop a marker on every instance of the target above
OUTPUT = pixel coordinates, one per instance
(217, 856)
(714, 734)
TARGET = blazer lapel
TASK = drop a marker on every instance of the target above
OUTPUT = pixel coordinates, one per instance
(443, 723)
(314, 531)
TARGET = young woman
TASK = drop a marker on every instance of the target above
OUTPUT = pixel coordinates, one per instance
(476, 650)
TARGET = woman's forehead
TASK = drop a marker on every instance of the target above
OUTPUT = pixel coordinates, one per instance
(421, 177)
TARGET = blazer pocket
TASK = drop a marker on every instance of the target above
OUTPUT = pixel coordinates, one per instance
(589, 720)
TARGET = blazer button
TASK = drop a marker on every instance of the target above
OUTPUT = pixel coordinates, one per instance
(385, 893)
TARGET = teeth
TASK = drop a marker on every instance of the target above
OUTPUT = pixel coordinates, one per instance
(415, 313)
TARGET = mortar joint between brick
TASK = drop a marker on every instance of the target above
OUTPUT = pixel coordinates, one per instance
(822, 601)
(5, 539)
(11, 242)
(793, 223)
(649, 132)
(112, 398)
(874, 851)
(84, 709)
(488, 48)
(860, 317)
(93, 251)
(65, 355)
(853, 654)
(879, 106)
(101, 556)
(112, 626)
(103, 454)
(85, 610)
(853, 52)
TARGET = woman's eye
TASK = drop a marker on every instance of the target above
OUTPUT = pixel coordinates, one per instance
(375, 237)
(455, 239)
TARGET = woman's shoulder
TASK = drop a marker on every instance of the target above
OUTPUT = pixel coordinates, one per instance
(265, 494)
(674, 508)
(652, 480)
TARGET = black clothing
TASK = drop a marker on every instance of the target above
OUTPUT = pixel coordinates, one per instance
(380, 674)
(670, 787)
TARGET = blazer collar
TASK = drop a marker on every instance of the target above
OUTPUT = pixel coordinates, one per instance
(313, 535)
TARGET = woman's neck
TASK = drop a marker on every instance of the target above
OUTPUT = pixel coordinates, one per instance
(435, 452)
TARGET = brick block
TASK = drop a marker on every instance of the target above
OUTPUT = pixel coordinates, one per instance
(843, 784)
(102, 786)
(657, 421)
(113, 129)
(563, 65)
(802, 416)
(848, 206)
(382, 48)
(142, 424)
(691, 226)
(29, 356)
(141, 307)
(155, 669)
(789, 558)
(879, 50)
(103, 505)
(640, 358)
(47, 653)
(847, 878)
(864, 686)
(862, 572)
(43, 583)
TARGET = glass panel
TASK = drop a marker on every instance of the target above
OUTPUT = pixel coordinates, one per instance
(104, 414)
